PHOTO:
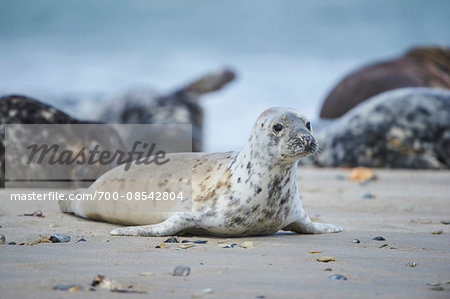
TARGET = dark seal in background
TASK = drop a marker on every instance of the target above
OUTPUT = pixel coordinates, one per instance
(419, 67)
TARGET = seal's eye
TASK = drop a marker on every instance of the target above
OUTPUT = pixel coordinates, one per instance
(278, 127)
(308, 126)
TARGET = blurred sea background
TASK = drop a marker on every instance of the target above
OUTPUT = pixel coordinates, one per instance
(74, 54)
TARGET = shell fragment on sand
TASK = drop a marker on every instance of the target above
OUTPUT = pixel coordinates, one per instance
(438, 232)
(362, 174)
(326, 259)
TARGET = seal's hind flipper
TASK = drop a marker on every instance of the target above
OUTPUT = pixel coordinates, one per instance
(210, 82)
(306, 226)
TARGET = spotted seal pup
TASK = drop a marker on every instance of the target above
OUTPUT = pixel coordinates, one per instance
(246, 193)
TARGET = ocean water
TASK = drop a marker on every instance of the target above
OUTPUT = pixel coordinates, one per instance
(77, 53)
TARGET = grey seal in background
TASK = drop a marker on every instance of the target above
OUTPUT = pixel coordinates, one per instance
(402, 128)
(419, 67)
(234, 194)
(142, 106)
(19, 109)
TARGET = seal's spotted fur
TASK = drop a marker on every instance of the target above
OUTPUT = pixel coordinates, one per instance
(402, 128)
(251, 192)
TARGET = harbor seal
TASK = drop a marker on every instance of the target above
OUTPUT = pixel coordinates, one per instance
(234, 194)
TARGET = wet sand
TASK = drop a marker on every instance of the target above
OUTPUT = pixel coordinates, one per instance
(408, 206)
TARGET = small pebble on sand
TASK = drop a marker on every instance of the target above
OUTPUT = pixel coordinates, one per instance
(368, 196)
(59, 238)
(337, 277)
(340, 177)
(195, 241)
(181, 271)
(379, 238)
(173, 239)
(231, 245)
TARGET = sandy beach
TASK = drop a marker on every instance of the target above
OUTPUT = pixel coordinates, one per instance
(402, 206)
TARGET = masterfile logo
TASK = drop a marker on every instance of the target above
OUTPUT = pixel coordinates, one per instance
(75, 155)
(91, 157)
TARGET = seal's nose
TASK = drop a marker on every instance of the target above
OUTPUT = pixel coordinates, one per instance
(312, 146)
(308, 141)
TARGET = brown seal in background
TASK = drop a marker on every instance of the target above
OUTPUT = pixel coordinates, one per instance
(419, 67)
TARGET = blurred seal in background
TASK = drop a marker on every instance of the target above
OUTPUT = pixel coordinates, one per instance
(419, 67)
(402, 128)
(19, 109)
(143, 106)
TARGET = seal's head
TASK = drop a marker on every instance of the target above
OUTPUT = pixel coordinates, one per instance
(284, 135)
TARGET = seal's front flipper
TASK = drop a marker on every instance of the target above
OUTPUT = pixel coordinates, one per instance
(306, 226)
(171, 226)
